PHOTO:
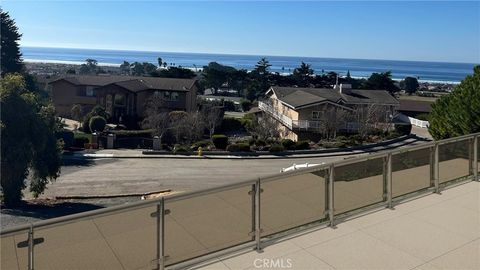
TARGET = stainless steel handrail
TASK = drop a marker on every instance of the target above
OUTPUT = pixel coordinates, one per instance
(119, 208)
(327, 167)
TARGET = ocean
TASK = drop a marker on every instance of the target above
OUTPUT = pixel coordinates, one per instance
(424, 71)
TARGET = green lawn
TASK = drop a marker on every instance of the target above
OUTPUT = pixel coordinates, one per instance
(234, 114)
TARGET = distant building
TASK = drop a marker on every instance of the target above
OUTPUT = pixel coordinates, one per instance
(235, 100)
(122, 95)
(413, 108)
(300, 111)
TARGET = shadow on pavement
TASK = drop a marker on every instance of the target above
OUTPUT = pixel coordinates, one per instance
(77, 161)
(45, 209)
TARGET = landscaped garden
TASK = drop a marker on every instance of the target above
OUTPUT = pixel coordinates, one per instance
(208, 129)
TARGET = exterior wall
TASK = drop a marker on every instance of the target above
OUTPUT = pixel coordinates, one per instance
(285, 110)
(182, 104)
(304, 130)
(306, 113)
(286, 133)
(65, 95)
(191, 99)
(106, 98)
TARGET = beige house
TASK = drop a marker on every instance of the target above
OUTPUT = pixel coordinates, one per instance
(122, 95)
(304, 113)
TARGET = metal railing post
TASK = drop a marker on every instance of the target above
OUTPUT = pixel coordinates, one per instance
(254, 226)
(331, 209)
(475, 158)
(389, 180)
(436, 168)
(161, 235)
(30, 248)
(258, 230)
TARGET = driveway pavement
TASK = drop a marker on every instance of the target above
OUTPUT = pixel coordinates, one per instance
(119, 176)
(123, 176)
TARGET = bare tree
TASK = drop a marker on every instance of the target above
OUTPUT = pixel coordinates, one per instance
(370, 117)
(193, 126)
(333, 120)
(212, 117)
(177, 124)
(77, 113)
(264, 127)
(156, 117)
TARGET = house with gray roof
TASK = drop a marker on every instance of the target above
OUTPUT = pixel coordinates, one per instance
(122, 95)
(304, 113)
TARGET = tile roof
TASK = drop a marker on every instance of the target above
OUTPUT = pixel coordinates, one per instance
(299, 97)
(132, 83)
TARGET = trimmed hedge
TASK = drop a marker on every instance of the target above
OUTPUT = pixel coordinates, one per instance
(80, 142)
(238, 147)
(302, 145)
(260, 142)
(220, 141)
(181, 149)
(198, 144)
(133, 133)
(276, 148)
(67, 137)
(80, 139)
(97, 124)
(334, 144)
(288, 144)
(403, 129)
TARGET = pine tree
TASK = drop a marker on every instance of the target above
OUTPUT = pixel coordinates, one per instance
(458, 113)
(11, 58)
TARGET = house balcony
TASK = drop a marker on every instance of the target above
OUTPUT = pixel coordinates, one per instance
(285, 120)
(303, 125)
(414, 207)
(308, 125)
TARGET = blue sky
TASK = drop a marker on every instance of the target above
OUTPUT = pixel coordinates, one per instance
(430, 31)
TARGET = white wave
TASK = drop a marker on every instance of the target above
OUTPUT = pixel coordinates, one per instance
(67, 62)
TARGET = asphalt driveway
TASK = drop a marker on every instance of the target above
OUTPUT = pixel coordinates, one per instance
(126, 176)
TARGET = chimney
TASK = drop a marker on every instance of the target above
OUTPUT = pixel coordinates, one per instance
(344, 88)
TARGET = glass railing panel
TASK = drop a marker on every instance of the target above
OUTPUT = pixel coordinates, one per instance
(204, 224)
(478, 154)
(125, 240)
(411, 171)
(14, 250)
(357, 185)
(292, 201)
(454, 160)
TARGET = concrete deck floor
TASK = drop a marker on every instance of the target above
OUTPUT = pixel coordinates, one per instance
(430, 232)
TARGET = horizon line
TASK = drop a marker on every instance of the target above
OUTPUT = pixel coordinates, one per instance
(244, 54)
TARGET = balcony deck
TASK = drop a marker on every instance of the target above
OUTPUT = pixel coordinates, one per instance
(430, 232)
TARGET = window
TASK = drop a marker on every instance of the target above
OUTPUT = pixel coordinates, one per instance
(120, 100)
(89, 91)
(166, 95)
(316, 115)
(174, 96)
(170, 96)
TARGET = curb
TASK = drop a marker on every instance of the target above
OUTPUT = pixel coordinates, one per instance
(84, 197)
(385, 145)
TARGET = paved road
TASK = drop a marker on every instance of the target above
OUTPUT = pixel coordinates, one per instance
(119, 176)
(114, 176)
